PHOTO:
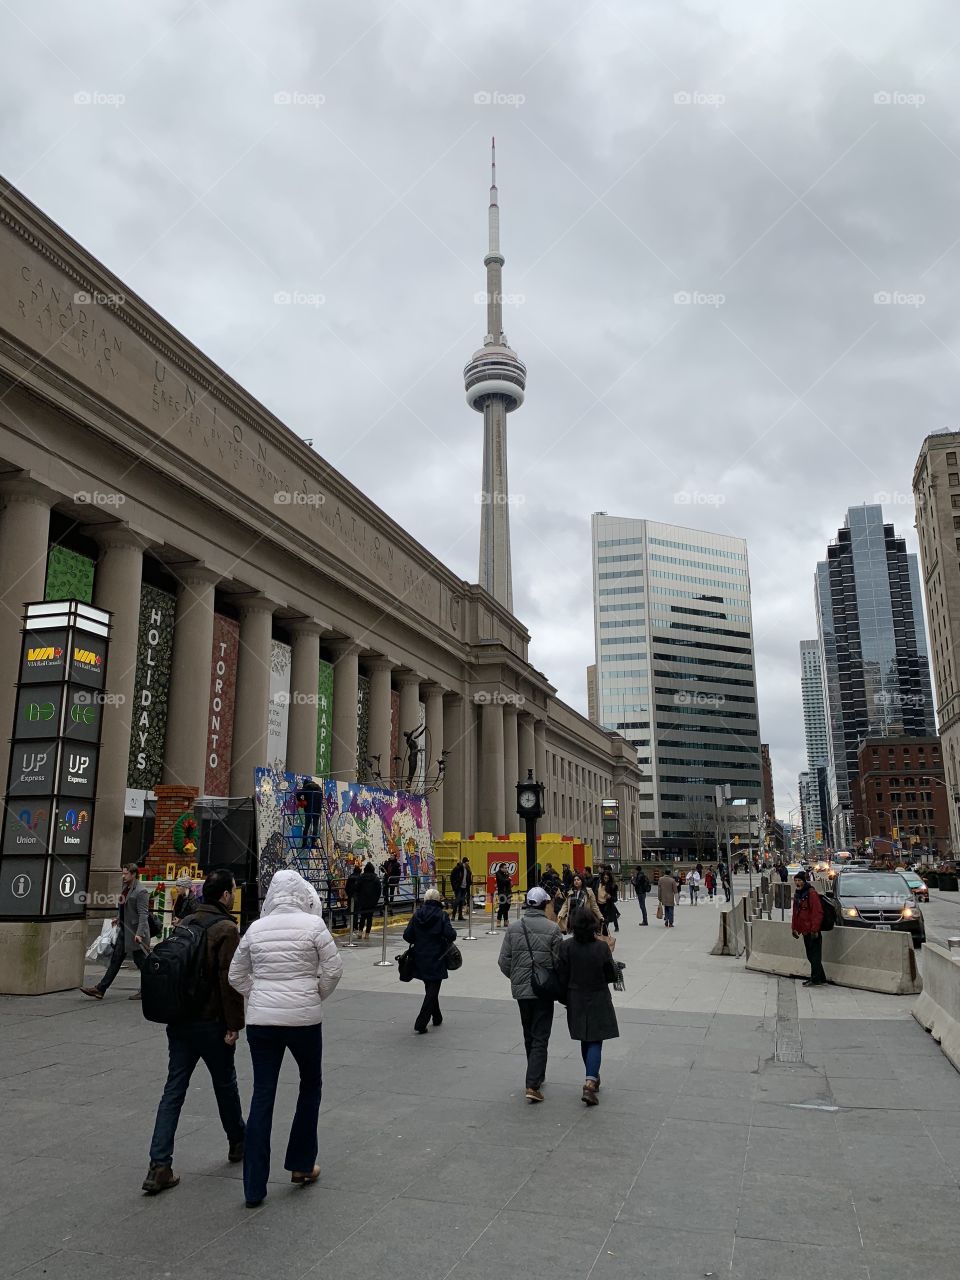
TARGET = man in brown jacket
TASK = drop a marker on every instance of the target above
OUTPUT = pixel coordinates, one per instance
(667, 893)
(211, 1035)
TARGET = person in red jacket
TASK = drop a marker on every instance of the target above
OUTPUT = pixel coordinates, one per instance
(806, 921)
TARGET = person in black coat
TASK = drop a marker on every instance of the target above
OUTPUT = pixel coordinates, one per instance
(310, 798)
(461, 881)
(431, 935)
(368, 895)
(504, 895)
(351, 887)
(585, 970)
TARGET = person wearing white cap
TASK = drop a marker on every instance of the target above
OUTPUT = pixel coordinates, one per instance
(528, 957)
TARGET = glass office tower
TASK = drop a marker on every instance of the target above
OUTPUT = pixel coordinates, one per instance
(675, 674)
(873, 647)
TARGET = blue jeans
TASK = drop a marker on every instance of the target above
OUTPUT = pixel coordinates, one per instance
(642, 899)
(667, 914)
(267, 1046)
(189, 1043)
(591, 1051)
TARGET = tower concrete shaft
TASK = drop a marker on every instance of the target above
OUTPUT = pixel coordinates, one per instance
(494, 381)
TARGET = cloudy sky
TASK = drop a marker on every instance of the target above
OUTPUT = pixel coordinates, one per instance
(731, 237)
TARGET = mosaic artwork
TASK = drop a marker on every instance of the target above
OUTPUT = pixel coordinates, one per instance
(359, 824)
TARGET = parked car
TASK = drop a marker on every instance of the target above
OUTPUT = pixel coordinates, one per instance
(916, 886)
(877, 900)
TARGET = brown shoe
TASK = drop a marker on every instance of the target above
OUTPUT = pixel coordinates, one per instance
(533, 1095)
(589, 1094)
(304, 1179)
(137, 995)
(159, 1178)
(94, 992)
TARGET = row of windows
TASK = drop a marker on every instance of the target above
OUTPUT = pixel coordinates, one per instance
(611, 709)
(693, 595)
(610, 672)
(620, 573)
(704, 679)
(710, 746)
(633, 624)
(698, 564)
(623, 607)
(725, 697)
(634, 724)
(620, 542)
(621, 657)
(619, 559)
(704, 764)
(706, 711)
(621, 591)
(700, 644)
(701, 662)
(676, 727)
(692, 546)
(703, 582)
(712, 631)
(701, 613)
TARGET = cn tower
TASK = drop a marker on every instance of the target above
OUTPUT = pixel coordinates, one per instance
(494, 381)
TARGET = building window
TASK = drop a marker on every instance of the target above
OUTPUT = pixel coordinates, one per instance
(953, 478)
(951, 459)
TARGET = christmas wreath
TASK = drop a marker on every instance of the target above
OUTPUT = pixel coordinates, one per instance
(185, 834)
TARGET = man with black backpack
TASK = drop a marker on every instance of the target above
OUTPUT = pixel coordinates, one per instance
(642, 885)
(185, 984)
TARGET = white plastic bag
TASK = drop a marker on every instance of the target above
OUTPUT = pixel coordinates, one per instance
(104, 943)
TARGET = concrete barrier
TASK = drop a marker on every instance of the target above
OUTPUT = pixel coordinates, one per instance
(864, 958)
(938, 1007)
(731, 936)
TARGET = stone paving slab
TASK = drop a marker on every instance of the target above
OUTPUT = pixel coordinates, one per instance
(709, 1154)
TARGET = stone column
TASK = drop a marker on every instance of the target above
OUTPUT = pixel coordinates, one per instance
(433, 746)
(454, 781)
(409, 686)
(540, 744)
(253, 694)
(346, 674)
(188, 709)
(381, 720)
(304, 683)
(24, 538)
(117, 588)
(511, 766)
(491, 768)
(527, 747)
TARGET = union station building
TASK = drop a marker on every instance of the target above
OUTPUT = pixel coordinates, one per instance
(138, 477)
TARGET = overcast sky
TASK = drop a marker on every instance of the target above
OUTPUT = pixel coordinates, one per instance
(777, 163)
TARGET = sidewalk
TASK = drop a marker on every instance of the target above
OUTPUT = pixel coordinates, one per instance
(748, 1127)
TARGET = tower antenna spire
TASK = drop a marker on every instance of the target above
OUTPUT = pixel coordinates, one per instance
(493, 214)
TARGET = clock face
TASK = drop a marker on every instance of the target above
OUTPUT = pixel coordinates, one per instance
(528, 799)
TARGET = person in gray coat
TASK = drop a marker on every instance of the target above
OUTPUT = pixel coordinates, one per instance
(532, 940)
(133, 934)
(586, 969)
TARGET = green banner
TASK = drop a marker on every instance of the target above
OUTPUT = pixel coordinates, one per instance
(148, 729)
(69, 576)
(324, 718)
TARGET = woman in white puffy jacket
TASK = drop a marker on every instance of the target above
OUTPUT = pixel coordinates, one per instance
(286, 966)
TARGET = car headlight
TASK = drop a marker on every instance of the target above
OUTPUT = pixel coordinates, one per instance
(908, 913)
(851, 913)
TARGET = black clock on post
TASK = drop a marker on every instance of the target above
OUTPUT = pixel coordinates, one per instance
(530, 808)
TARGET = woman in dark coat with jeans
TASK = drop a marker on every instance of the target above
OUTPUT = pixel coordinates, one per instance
(585, 969)
(432, 936)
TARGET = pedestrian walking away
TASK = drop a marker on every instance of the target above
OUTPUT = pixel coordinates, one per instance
(504, 891)
(431, 935)
(586, 969)
(532, 945)
(207, 1032)
(805, 923)
(667, 893)
(607, 895)
(133, 930)
(368, 896)
(642, 886)
(579, 896)
(351, 889)
(710, 884)
(285, 967)
(693, 887)
(391, 878)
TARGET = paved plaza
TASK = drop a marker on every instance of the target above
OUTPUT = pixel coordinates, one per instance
(748, 1127)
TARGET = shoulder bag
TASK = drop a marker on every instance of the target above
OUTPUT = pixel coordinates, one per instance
(405, 964)
(545, 983)
(453, 958)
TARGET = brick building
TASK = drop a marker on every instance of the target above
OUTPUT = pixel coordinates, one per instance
(902, 795)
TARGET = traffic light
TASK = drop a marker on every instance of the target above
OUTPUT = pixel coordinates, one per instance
(896, 833)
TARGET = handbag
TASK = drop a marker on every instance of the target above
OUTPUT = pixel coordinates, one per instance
(659, 910)
(453, 958)
(545, 983)
(405, 964)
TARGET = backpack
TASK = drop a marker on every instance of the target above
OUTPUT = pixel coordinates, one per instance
(173, 973)
(829, 915)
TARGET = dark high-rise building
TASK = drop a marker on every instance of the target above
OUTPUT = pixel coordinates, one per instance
(768, 804)
(874, 651)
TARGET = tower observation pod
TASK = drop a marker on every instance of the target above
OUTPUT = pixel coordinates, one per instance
(494, 381)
